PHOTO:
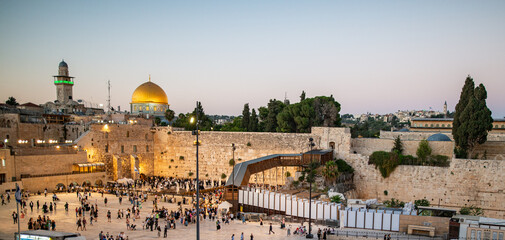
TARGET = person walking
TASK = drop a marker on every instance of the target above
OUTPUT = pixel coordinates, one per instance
(271, 229)
(15, 217)
(84, 224)
(242, 236)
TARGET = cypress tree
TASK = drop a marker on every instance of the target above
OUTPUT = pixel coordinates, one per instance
(459, 131)
(472, 120)
(245, 117)
(253, 121)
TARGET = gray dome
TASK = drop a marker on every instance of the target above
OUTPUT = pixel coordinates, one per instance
(439, 137)
(63, 64)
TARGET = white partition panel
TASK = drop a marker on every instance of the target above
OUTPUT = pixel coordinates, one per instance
(271, 204)
(288, 205)
(253, 200)
(334, 212)
(369, 220)
(278, 201)
(351, 218)
(320, 211)
(377, 221)
(300, 207)
(294, 206)
(386, 222)
(256, 199)
(282, 199)
(240, 196)
(313, 210)
(261, 198)
(326, 211)
(306, 208)
(395, 222)
(343, 218)
(360, 219)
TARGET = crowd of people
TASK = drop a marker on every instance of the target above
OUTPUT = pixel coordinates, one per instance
(131, 196)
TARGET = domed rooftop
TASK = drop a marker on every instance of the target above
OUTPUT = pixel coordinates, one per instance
(439, 137)
(149, 92)
(63, 64)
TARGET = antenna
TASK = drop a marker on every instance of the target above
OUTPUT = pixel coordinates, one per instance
(108, 99)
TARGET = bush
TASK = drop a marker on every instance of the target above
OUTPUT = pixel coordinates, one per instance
(336, 199)
(248, 144)
(386, 192)
(423, 151)
(231, 162)
(288, 174)
(439, 161)
(190, 174)
(181, 158)
(422, 202)
(408, 160)
(223, 176)
(343, 167)
(296, 183)
(385, 161)
(394, 203)
(472, 210)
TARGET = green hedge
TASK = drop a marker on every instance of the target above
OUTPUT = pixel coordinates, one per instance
(343, 167)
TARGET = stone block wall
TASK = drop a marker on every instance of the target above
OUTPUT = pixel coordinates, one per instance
(366, 146)
(50, 182)
(47, 164)
(465, 183)
(175, 152)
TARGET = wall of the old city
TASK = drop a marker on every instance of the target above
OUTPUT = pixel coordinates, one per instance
(48, 163)
(50, 182)
(466, 182)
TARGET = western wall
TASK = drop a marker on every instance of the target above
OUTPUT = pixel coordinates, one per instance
(164, 152)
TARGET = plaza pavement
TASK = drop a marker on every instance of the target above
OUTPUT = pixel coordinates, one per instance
(66, 221)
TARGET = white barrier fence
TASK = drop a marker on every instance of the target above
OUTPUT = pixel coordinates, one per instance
(387, 220)
(290, 204)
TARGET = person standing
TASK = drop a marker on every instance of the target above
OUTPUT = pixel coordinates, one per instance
(271, 229)
(38, 204)
(252, 237)
(31, 206)
(242, 236)
(15, 217)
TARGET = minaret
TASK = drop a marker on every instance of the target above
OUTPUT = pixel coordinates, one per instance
(445, 109)
(64, 83)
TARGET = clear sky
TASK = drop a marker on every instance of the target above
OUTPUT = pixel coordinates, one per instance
(373, 56)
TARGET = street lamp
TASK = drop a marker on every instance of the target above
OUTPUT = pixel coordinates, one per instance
(233, 177)
(311, 144)
(195, 120)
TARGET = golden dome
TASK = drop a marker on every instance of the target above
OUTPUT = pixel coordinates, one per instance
(149, 92)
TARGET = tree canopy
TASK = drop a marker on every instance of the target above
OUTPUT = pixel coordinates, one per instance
(472, 119)
(11, 101)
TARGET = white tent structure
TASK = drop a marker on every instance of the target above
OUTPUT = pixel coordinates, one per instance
(125, 181)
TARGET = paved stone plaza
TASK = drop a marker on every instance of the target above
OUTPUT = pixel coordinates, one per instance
(66, 221)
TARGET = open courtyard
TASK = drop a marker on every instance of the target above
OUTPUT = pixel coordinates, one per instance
(66, 221)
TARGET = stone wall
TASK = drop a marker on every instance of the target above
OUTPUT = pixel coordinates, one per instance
(175, 152)
(465, 183)
(47, 164)
(40, 183)
(366, 146)
(492, 137)
(441, 224)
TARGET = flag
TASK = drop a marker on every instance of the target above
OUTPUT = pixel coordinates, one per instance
(18, 194)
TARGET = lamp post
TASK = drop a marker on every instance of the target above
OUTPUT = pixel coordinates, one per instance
(197, 174)
(309, 235)
(233, 177)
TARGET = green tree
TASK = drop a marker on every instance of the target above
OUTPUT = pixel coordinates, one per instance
(274, 108)
(246, 117)
(472, 119)
(234, 126)
(397, 145)
(262, 115)
(11, 101)
(311, 172)
(253, 121)
(423, 151)
(157, 121)
(472, 210)
(336, 199)
(169, 115)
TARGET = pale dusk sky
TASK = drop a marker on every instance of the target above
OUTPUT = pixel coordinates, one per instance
(373, 56)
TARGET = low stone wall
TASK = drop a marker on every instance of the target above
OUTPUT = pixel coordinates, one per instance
(48, 164)
(366, 146)
(50, 182)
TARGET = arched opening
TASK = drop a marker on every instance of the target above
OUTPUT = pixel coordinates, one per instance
(98, 183)
(86, 183)
(332, 145)
(60, 187)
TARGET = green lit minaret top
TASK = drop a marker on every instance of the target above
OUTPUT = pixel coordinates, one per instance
(63, 77)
